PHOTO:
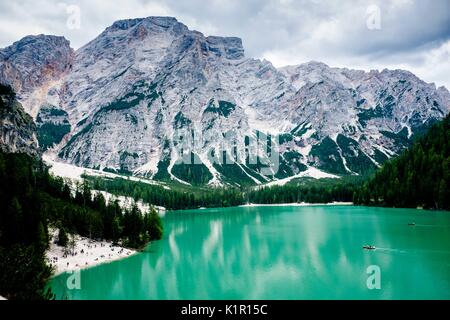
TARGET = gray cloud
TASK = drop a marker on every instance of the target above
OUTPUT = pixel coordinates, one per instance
(414, 34)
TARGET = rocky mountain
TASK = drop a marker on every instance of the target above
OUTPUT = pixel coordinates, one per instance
(33, 65)
(17, 130)
(151, 97)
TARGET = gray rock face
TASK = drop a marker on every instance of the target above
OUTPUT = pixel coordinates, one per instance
(378, 111)
(32, 65)
(17, 130)
(130, 94)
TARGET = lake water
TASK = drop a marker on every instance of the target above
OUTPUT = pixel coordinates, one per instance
(281, 253)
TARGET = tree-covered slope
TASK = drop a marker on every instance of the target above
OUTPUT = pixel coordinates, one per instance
(420, 177)
(31, 200)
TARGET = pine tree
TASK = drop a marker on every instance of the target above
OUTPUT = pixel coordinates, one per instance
(444, 195)
(115, 230)
(62, 238)
(154, 225)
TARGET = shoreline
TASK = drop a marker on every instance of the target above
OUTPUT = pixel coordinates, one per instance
(249, 205)
(296, 204)
(88, 253)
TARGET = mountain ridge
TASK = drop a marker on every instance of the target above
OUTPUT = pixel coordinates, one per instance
(148, 79)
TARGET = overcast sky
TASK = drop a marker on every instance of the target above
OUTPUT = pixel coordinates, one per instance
(365, 34)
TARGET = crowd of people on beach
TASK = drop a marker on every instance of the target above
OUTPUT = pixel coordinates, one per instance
(85, 252)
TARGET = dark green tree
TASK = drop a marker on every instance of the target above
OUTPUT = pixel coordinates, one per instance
(154, 225)
(63, 239)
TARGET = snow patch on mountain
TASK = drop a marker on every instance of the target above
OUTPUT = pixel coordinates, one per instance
(310, 172)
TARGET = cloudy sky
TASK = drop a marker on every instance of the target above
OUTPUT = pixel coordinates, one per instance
(365, 34)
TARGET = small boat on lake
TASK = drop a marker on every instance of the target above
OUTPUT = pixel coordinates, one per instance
(411, 224)
(367, 247)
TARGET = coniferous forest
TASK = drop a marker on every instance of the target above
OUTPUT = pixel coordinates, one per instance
(171, 199)
(420, 177)
(31, 201)
(310, 190)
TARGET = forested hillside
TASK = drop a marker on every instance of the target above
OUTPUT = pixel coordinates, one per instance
(305, 190)
(309, 191)
(175, 198)
(420, 177)
(31, 200)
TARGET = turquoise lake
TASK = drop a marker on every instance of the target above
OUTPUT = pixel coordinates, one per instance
(285, 252)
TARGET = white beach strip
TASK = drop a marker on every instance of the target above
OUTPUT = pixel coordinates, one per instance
(86, 253)
(298, 204)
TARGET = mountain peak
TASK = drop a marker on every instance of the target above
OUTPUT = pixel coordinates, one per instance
(34, 41)
(153, 23)
(153, 38)
(34, 60)
(229, 47)
(130, 23)
(315, 64)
